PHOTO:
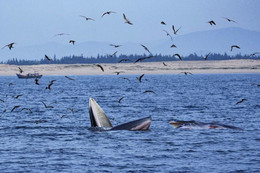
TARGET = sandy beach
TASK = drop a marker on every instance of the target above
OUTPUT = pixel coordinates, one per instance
(173, 67)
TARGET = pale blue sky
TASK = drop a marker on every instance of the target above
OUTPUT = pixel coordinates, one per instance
(29, 22)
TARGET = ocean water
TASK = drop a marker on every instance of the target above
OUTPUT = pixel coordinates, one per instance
(62, 141)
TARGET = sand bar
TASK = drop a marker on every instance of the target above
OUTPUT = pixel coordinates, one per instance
(173, 67)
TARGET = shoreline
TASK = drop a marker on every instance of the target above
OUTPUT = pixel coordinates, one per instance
(173, 67)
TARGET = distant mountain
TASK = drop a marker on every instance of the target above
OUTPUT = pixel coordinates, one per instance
(202, 42)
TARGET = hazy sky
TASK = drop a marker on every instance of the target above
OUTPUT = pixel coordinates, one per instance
(29, 22)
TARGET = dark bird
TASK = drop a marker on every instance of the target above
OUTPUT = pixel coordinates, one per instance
(140, 78)
(10, 84)
(47, 57)
(206, 57)
(98, 65)
(46, 105)
(186, 73)
(37, 81)
(20, 70)
(72, 110)
(164, 64)
(229, 20)
(72, 41)
(163, 23)
(126, 20)
(141, 59)
(211, 22)
(63, 115)
(145, 48)
(60, 34)
(149, 91)
(113, 54)
(177, 56)
(2, 100)
(175, 31)
(253, 54)
(87, 18)
(126, 79)
(15, 107)
(234, 46)
(40, 121)
(50, 84)
(168, 34)
(10, 46)
(173, 45)
(26, 109)
(118, 72)
(16, 97)
(241, 101)
(124, 60)
(69, 78)
(115, 45)
(107, 13)
(119, 101)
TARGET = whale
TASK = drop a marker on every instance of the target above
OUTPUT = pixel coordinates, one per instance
(99, 120)
(200, 125)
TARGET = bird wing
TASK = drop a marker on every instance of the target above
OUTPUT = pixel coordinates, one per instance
(140, 78)
(145, 48)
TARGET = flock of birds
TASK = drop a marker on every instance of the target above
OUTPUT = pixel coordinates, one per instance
(127, 21)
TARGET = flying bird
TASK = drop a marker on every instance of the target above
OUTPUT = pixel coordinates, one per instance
(69, 78)
(186, 73)
(87, 18)
(163, 23)
(164, 64)
(10, 46)
(206, 57)
(98, 65)
(167, 34)
(21, 70)
(173, 45)
(211, 22)
(60, 34)
(175, 31)
(234, 46)
(115, 46)
(72, 110)
(10, 84)
(119, 101)
(72, 41)
(118, 72)
(178, 56)
(16, 97)
(149, 91)
(126, 79)
(26, 109)
(50, 84)
(141, 59)
(107, 13)
(124, 60)
(63, 115)
(229, 20)
(140, 78)
(46, 105)
(253, 54)
(145, 48)
(241, 101)
(40, 121)
(126, 20)
(47, 57)
(36, 81)
(113, 54)
(15, 107)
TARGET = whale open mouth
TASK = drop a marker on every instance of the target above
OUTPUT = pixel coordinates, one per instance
(99, 119)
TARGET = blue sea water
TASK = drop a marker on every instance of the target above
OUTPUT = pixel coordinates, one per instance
(66, 144)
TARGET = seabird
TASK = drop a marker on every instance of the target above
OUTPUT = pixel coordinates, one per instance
(178, 56)
(234, 46)
(241, 101)
(108, 12)
(46, 105)
(10, 46)
(98, 65)
(126, 20)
